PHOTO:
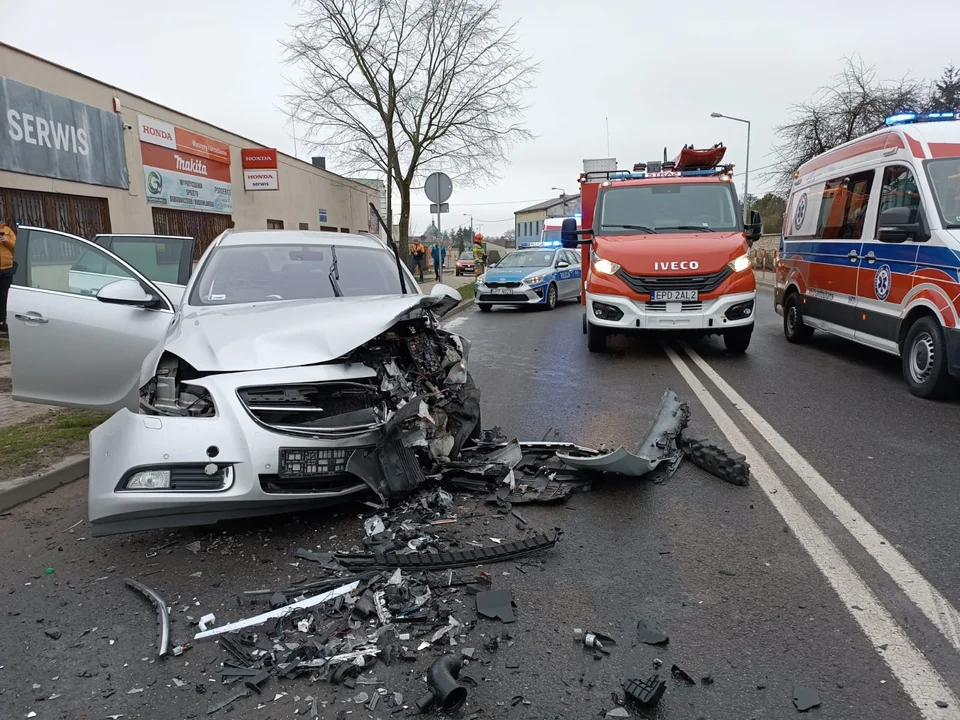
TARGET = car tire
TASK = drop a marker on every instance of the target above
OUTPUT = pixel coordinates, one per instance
(457, 272)
(737, 340)
(596, 338)
(794, 328)
(484, 307)
(584, 323)
(552, 297)
(924, 360)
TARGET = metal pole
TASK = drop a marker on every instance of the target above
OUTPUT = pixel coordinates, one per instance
(439, 237)
(746, 180)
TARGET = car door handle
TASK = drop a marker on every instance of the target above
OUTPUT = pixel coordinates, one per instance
(871, 258)
(852, 255)
(32, 318)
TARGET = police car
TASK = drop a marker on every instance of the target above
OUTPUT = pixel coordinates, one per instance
(536, 276)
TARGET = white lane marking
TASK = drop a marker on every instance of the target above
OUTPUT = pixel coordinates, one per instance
(925, 596)
(920, 680)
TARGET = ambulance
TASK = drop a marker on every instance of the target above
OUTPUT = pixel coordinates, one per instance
(870, 248)
(667, 250)
(550, 234)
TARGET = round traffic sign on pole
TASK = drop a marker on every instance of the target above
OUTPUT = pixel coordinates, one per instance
(439, 187)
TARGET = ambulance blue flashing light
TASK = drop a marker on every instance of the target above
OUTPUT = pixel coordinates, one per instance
(912, 117)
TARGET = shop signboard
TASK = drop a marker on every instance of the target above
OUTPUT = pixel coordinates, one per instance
(178, 179)
(164, 134)
(52, 136)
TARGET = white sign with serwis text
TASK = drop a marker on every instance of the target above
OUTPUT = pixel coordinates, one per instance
(254, 180)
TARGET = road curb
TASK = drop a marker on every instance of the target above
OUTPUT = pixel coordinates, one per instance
(462, 307)
(20, 490)
(765, 283)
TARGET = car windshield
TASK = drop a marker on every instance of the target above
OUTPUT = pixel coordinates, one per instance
(945, 179)
(667, 208)
(528, 258)
(466, 255)
(258, 273)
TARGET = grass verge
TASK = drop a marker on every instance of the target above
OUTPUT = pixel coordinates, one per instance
(467, 291)
(32, 446)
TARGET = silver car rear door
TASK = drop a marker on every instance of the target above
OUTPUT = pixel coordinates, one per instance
(67, 347)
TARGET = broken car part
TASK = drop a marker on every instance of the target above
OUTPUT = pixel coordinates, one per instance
(451, 559)
(716, 459)
(805, 698)
(163, 616)
(645, 693)
(659, 445)
(206, 621)
(682, 675)
(279, 612)
(650, 637)
(496, 605)
(445, 691)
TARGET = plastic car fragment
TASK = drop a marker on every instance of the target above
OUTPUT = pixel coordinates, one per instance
(163, 616)
(716, 459)
(645, 693)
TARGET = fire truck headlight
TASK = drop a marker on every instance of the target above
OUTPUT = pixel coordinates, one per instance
(740, 264)
(604, 267)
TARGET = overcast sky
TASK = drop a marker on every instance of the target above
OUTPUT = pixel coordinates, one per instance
(655, 69)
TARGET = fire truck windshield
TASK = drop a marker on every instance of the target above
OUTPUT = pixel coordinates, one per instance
(666, 208)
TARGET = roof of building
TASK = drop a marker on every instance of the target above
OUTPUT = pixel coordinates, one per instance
(547, 204)
(173, 110)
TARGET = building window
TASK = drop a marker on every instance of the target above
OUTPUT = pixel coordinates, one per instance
(274, 224)
(304, 226)
(327, 228)
(345, 230)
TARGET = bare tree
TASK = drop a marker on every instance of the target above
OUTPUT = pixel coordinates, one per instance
(403, 87)
(856, 103)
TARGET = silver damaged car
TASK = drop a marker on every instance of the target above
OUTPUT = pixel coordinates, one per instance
(297, 369)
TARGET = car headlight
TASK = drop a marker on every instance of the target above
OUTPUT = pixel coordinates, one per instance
(482, 279)
(604, 267)
(149, 480)
(534, 279)
(740, 264)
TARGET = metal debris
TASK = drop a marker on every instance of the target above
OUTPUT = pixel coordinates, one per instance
(163, 616)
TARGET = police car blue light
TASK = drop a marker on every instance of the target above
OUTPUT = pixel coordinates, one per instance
(544, 277)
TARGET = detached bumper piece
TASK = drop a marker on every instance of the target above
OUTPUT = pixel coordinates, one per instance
(163, 617)
(716, 459)
(452, 559)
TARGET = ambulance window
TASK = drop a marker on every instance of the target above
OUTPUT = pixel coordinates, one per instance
(899, 188)
(844, 206)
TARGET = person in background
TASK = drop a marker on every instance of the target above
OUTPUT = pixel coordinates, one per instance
(8, 239)
(419, 254)
(439, 254)
(478, 255)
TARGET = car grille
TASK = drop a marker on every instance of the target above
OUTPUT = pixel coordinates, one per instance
(504, 284)
(276, 485)
(502, 298)
(646, 284)
(684, 307)
(331, 409)
(193, 477)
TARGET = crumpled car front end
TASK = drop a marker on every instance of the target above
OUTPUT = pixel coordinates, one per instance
(219, 445)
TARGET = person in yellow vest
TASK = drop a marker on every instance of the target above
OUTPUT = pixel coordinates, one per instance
(419, 254)
(8, 240)
(478, 255)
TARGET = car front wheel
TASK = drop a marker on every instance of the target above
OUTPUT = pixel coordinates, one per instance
(737, 340)
(484, 307)
(551, 297)
(596, 338)
(924, 359)
(794, 328)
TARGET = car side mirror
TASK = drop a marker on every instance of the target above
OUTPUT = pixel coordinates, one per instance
(127, 292)
(562, 264)
(569, 238)
(901, 224)
(753, 229)
(445, 298)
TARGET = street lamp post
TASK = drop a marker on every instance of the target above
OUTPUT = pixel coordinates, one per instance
(746, 172)
(563, 196)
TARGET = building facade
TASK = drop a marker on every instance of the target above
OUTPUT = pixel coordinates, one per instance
(83, 157)
(528, 223)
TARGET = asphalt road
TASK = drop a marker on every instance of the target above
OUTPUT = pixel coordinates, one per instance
(834, 570)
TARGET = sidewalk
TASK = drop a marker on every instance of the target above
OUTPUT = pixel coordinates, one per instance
(11, 411)
(449, 278)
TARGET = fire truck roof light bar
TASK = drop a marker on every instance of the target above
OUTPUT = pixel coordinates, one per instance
(641, 175)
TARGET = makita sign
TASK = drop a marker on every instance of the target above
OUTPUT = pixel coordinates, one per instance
(194, 166)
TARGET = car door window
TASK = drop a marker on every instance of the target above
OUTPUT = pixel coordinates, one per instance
(571, 258)
(899, 189)
(844, 206)
(62, 263)
(159, 261)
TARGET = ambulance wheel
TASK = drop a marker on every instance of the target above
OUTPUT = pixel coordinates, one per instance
(484, 307)
(596, 339)
(924, 359)
(793, 327)
(552, 297)
(737, 340)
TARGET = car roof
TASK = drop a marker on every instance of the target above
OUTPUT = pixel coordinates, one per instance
(681, 180)
(147, 235)
(300, 237)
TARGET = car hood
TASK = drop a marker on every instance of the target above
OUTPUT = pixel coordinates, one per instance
(514, 274)
(645, 254)
(290, 333)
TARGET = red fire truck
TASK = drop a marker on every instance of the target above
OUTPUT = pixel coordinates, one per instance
(667, 250)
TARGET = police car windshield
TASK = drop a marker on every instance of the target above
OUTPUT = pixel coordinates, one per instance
(528, 258)
(945, 179)
(666, 208)
(267, 273)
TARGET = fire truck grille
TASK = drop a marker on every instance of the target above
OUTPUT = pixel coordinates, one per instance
(646, 284)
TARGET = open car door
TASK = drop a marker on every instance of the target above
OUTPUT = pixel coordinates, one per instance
(165, 260)
(81, 321)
